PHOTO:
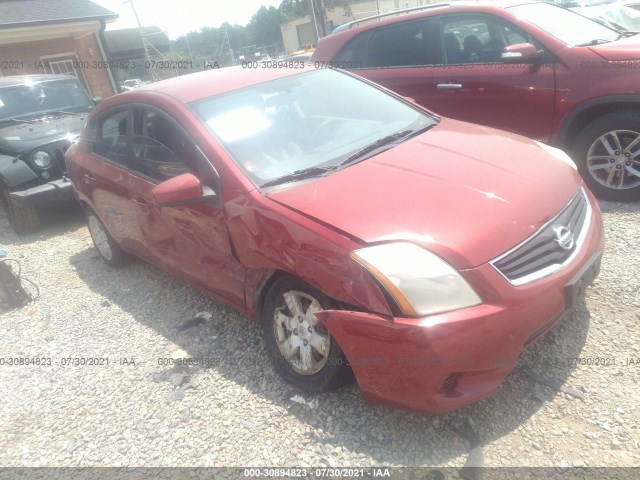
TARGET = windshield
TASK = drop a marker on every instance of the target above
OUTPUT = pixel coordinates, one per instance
(309, 121)
(565, 25)
(22, 101)
(619, 16)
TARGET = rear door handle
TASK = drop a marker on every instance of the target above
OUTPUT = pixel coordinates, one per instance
(449, 86)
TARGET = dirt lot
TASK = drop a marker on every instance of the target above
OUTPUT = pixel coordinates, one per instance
(135, 411)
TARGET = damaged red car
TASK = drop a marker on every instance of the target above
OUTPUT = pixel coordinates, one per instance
(369, 237)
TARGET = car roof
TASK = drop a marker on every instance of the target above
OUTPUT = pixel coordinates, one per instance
(402, 15)
(13, 80)
(215, 81)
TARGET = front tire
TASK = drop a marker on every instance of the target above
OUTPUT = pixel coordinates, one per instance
(299, 346)
(23, 219)
(607, 153)
(107, 248)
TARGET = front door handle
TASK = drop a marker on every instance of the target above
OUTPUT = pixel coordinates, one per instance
(449, 86)
(89, 179)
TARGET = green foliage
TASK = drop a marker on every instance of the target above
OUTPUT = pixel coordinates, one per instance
(292, 9)
(208, 42)
(264, 27)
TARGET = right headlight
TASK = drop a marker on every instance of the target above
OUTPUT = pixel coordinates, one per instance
(42, 159)
(420, 282)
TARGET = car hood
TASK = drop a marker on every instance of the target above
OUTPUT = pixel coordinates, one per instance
(466, 192)
(24, 137)
(623, 49)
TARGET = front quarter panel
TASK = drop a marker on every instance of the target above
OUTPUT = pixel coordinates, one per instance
(15, 172)
(269, 237)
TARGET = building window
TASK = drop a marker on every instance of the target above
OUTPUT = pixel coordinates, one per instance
(66, 65)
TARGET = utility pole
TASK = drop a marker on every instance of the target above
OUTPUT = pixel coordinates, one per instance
(319, 20)
(189, 48)
(315, 21)
(227, 43)
(142, 39)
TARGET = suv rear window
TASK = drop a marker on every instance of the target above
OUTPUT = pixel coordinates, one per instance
(401, 45)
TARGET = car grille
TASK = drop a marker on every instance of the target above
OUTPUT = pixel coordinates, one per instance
(551, 248)
(57, 151)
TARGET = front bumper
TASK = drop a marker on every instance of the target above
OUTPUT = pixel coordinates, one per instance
(55, 191)
(442, 362)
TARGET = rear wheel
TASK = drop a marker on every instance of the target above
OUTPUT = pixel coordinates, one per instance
(608, 156)
(23, 219)
(107, 248)
(300, 347)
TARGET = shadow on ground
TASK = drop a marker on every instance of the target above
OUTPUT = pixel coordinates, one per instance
(55, 222)
(238, 349)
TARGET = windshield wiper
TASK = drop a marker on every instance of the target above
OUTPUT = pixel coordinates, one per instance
(359, 155)
(62, 112)
(297, 175)
(17, 120)
(595, 41)
(626, 33)
(364, 152)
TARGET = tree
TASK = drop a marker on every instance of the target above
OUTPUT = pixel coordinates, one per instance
(292, 9)
(264, 26)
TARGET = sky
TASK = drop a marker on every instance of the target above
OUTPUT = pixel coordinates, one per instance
(178, 17)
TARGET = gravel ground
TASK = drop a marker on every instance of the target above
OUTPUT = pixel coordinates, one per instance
(135, 412)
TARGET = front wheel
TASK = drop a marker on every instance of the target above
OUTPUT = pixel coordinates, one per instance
(23, 219)
(300, 347)
(607, 153)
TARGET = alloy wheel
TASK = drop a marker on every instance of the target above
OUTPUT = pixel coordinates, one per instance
(301, 338)
(613, 159)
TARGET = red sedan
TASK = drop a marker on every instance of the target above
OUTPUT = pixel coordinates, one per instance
(367, 235)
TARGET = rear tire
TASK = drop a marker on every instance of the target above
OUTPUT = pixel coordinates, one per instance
(106, 246)
(315, 362)
(607, 153)
(23, 219)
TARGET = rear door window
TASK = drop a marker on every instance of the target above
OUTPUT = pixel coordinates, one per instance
(403, 45)
(110, 136)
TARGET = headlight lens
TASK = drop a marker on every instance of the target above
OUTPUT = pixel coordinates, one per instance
(42, 159)
(559, 154)
(421, 282)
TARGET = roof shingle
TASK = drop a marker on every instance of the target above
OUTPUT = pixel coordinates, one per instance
(19, 13)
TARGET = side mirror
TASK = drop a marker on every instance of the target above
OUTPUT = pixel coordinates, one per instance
(520, 53)
(96, 100)
(183, 190)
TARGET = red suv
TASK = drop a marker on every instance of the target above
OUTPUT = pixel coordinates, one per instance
(530, 68)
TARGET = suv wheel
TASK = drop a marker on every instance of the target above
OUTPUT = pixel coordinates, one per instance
(107, 248)
(608, 156)
(300, 347)
(23, 219)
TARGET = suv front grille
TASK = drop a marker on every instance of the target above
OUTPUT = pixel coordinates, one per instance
(57, 151)
(551, 248)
